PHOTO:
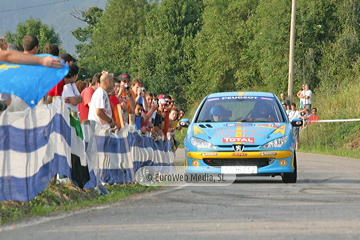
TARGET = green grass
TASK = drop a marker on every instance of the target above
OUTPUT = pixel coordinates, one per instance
(65, 197)
(338, 138)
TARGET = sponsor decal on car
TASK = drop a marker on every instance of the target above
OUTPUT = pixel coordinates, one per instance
(265, 98)
(268, 153)
(212, 99)
(238, 139)
(239, 124)
(209, 154)
(239, 154)
(238, 97)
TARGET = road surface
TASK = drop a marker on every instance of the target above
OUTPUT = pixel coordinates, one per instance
(323, 204)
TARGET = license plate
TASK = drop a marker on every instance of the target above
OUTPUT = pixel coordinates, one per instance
(239, 169)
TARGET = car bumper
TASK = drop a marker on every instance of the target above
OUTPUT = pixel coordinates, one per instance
(267, 162)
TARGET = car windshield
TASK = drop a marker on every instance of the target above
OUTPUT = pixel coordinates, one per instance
(240, 109)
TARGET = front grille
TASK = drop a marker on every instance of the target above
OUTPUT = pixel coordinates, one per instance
(217, 162)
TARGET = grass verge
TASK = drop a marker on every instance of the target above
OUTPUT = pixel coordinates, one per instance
(335, 138)
(65, 197)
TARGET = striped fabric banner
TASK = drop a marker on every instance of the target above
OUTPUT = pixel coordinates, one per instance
(38, 143)
(34, 146)
(120, 154)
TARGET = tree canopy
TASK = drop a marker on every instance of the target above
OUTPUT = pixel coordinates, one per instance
(190, 48)
(43, 32)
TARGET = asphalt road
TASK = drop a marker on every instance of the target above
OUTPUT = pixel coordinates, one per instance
(323, 204)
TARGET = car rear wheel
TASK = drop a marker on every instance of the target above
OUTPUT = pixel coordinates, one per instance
(290, 177)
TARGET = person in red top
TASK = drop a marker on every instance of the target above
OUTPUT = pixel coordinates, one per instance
(314, 116)
(58, 88)
(86, 96)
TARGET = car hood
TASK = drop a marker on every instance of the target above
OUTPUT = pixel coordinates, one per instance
(239, 133)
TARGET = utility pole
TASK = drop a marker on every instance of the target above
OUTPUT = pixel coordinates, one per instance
(291, 54)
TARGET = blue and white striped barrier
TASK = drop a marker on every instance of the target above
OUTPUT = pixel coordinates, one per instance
(38, 143)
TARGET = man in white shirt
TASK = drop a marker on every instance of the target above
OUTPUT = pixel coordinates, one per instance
(306, 96)
(100, 109)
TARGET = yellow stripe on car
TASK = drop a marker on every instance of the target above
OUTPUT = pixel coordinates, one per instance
(265, 154)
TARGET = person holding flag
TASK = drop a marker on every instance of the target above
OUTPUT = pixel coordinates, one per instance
(17, 57)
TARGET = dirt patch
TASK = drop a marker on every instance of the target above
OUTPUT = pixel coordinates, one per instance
(354, 143)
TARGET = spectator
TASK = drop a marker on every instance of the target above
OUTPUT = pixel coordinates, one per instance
(149, 99)
(299, 96)
(285, 101)
(80, 85)
(170, 101)
(115, 100)
(314, 116)
(21, 58)
(100, 109)
(305, 118)
(88, 82)
(164, 111)
(86, 97)
(58, 88)
(173, 118)
(70, 94)
(126, 94)
(136, 87)
(6, 46)
(306, 95)
(287, 108)
(30, 44)
(138, 117)
(181, 114)
(292, 115)
(51, 49)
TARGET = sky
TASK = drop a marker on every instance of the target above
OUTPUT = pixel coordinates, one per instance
(55, 13)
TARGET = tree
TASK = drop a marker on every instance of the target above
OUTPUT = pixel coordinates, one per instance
(44, 33)
(116, 35)
(220, 48)
(163, 56)
(91, 17)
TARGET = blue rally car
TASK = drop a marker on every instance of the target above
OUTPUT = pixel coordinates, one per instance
(242, 133)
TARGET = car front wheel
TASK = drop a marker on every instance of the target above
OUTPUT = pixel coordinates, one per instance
(290, 177)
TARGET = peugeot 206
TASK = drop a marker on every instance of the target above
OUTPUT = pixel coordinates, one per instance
(242, 133)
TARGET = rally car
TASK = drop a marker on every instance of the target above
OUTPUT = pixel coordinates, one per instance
(242, 133)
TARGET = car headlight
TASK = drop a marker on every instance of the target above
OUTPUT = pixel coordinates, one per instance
(202, 144)
(276, 143)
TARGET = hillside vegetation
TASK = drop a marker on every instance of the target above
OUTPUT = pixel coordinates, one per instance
(337, 138)
(190, 48)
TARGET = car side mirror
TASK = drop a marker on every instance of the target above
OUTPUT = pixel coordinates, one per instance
(297, 122)
(184, 122)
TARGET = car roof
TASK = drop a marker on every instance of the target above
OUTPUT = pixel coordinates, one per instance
(249, 94)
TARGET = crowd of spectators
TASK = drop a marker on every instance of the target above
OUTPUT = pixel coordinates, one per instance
(113, 101)
(306, 112)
